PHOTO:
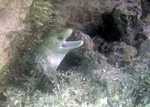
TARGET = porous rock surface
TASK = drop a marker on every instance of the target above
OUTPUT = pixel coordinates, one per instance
(116, 37)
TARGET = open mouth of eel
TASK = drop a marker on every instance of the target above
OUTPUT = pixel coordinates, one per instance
(69, 44)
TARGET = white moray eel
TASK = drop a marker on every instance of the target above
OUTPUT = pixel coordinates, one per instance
(54, 48)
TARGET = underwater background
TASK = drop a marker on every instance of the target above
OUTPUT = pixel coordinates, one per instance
(101, 59)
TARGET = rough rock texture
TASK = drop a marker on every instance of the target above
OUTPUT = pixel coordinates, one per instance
(81, 12)
(12, 15)
(121, 54)
(113, 63)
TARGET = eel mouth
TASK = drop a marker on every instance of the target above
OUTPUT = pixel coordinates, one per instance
(68, 45)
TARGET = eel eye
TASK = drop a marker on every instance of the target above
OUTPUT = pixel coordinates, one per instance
(60, 37)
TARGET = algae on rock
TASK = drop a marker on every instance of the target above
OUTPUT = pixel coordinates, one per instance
(42, 15)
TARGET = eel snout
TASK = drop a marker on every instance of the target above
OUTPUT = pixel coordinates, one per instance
(68, 45)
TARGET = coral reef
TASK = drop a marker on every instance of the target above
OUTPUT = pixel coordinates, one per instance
(111, 69)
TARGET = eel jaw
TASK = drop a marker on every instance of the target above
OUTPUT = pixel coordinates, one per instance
(69, 45)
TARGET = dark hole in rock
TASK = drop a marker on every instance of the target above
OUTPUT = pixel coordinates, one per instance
(71, 60)
(107, 29)
(110, 31)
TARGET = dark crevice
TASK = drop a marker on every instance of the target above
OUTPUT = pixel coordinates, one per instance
(110, 31)
(145, 8)
(107, 30)
(70, 60)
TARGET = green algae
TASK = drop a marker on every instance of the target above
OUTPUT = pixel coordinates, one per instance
(42, 15)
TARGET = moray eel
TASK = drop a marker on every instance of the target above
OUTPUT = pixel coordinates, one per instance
(54, 48)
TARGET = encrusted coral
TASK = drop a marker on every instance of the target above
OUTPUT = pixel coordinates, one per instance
(42, 15)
